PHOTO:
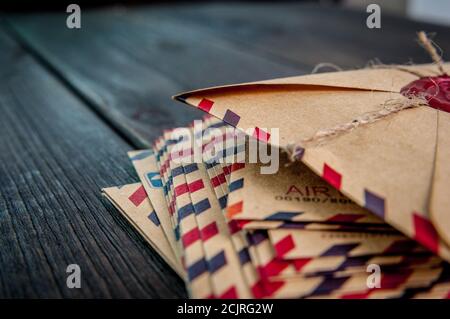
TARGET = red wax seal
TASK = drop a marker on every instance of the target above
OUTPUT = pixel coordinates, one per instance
(435, 89)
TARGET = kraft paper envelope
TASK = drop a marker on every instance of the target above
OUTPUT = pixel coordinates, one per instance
(395, 167)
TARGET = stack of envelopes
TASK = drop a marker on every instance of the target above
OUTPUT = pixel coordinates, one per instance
(231, 232)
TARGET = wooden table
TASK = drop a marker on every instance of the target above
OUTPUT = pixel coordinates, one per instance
(73, 102)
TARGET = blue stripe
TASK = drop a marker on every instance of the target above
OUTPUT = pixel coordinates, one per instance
(283, 216)
(235, 185)
(177, 171)
(154, 218)
(161, 151)
(329, 284)
(190, 168)
(142, 155)
(176, 231)
(234, 150)
(340, 249)
(217, 262)
(374, 203)
(293, 225)
(210, 163)
(223, 201)
(185, 211)
(166, 189)
(173, 141)
(353, 262)
(244, 256)
(257, 237)
(201, 206)
(197, 269)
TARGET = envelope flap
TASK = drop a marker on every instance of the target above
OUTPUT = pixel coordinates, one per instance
(389, 79)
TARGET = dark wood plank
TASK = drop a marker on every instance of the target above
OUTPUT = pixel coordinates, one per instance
(55, 156)
(127, 62)
(129, 67)
(305, 34)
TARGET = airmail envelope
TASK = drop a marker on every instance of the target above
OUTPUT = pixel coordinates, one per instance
(395, 167)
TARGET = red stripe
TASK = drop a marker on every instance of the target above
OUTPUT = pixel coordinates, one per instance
(332, 176)
(359, 295)
(229, 294)
(242, 223)
(181, 189)
(172, 207)
(264, 288)
(196, 185)
(190, 237)
(181, 154)
(233, 226)
(227, 169)
(138, 196)
(209, 231)
(192, 187)
(425, 233)
(261, 134)
(395, 280)
(300, 263)
(237, 166)
(344, 218)
(164, 167)
(284, 246)
(218, 180)
(272, 287)
(273, 268)
(205, 105)
(258, 290)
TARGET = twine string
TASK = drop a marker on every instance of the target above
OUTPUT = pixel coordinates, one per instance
(430, 47)
(296, 150)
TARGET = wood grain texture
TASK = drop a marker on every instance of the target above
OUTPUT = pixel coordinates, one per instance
(306, 34)
(55, 156)
(127, 62)
(129, 67)
(124, 64)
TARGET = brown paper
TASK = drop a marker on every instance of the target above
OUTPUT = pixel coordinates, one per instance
(138, 216)
(395, 167)
(293, 194)
(146, 167)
